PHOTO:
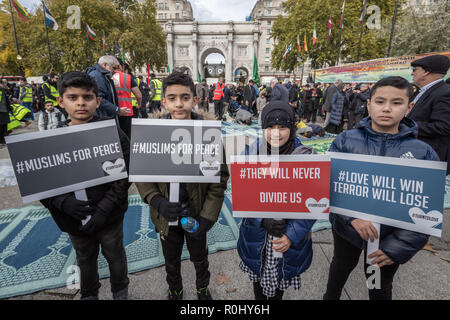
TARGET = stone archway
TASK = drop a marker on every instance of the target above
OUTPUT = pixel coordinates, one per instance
(241, 74)
(206, 53)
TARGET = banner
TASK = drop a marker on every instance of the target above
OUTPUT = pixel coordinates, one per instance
(167, 150)
(373, 70)
(403, 193)
(53, 162)
(284, 187)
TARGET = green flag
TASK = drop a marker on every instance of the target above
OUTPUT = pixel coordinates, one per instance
(255, 70)
(168, 69)
(199, 77)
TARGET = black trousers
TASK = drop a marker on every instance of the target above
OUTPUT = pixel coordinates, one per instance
(314, 107)
(87, 248)
(125, 125)
(3, 132)
(345, 259)
(218, 108)
(258, 290)
(172, 246)
(307, 110)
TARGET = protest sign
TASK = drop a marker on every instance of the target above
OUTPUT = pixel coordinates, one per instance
(175, 151)
(403, 193)
(281, 187)
(53, 162)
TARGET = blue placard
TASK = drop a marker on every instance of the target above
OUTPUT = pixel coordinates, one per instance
(403, 193)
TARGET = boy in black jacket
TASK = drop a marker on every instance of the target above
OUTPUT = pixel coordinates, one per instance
(107, 202)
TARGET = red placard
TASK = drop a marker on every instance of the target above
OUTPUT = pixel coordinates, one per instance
(289, 187)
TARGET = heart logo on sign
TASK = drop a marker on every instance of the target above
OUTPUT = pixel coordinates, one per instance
(317, 207)
(209, 169)
(114, 168)
(430, 219)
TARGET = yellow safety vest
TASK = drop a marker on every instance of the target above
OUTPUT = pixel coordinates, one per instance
(134, 101)
(13, 123)
(19, 112)
(158, 90)
(28, 94)
(54, 92)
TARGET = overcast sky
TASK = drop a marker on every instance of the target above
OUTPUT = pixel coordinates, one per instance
(204, 10)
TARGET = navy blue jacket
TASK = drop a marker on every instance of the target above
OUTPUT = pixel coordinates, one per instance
(106, 90)
(253, 237)
(399, 245)
(280, 93)
(338, 102)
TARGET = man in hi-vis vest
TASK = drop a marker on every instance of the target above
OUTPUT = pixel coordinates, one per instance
(26, 96)
(125, 87)
(155, 93)
(218, 98)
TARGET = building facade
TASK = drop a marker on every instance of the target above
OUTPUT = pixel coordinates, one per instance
(189, 42)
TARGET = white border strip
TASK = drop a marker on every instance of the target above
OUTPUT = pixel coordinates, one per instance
(174, 179)
(281, 215)
(174, 123)
(60, 131)
(387, 221)
(73, 187)
(427, 164)
(281, 158)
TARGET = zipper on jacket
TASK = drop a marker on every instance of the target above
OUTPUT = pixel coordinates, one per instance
(383, 145)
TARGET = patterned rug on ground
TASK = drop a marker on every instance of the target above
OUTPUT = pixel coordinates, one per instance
(35, 255)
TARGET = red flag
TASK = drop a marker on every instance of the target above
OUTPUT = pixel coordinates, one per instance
(330, 28)
(103, 41)
(298, 44)
(148, 72)
(341, 24)
(314, 34)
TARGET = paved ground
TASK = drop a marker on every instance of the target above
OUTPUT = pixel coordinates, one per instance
(426, 276)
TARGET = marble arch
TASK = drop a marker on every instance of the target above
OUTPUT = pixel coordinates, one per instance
(190, 42)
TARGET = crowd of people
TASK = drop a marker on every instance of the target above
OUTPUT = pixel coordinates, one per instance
(390, 119)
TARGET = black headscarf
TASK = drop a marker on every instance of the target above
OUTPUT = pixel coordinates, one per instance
(281, 113)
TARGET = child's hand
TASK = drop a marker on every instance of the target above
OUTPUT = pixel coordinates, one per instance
(365, 229)
(282, 244)
(380, 258)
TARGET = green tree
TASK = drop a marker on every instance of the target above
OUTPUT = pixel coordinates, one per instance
(9, 65)
(300, 18)
(135, 29)
(422, 30)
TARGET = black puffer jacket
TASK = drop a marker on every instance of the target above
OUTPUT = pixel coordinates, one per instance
(399, 245)
(110, 197)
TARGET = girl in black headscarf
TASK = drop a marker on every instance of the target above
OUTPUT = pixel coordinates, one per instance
(258, 238)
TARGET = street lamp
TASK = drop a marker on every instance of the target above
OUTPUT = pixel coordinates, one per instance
(19, 58)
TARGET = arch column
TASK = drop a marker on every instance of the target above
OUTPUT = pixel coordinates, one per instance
(170, 40)
(229, 62)
(194, 52)
(170, 51)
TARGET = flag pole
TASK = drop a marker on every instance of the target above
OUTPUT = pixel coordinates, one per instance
(340, 34)
(363, 14)
(392, 30)
(48, 40)
(15, 38)
(89, 46)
